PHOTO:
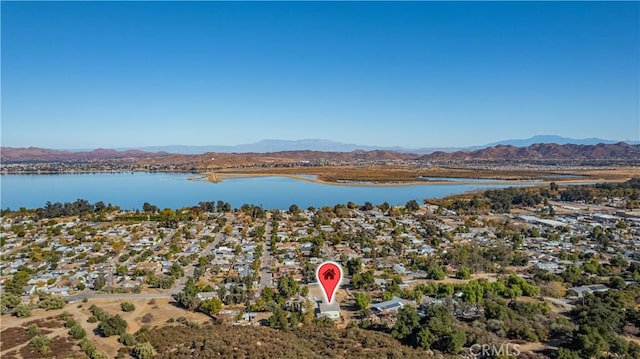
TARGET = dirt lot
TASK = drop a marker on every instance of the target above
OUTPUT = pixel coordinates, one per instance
(153, 312)
(15, 339)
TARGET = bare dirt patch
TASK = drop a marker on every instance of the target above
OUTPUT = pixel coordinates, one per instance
(61, 347)
(156, 312)
(151, 313)
(48, 322)
(15, 333)
(15, 339)
(16, 336)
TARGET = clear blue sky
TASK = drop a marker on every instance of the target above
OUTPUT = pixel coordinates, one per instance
(415, 74)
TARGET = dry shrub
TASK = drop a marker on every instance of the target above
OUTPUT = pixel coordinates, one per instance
(147, 318)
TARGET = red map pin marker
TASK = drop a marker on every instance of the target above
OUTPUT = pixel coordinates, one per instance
(329, 274)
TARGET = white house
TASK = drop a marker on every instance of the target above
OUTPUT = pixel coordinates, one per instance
(331, 311)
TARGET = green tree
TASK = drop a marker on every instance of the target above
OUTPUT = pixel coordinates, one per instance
(463, 273)
(309, 312)
(22, 310)
(363, 280)
(16, 284)
(453, 341)
(617, 282)
(278, 319)
(77, 332)
(114, 325)
(99, 282)
(412, 205)
(473, 292)
(127, 339)
(362, 301)
(121, 269)
(353, 265)
(8, 301)
(564, 353)
(444, 335)
(127, 307)
(187, 297)
(164, 282)
(88, 347)
(176, 270)
(436, 273)
(288, 286)
(406, 323)
(52, 302)
(425, 338)
(517, 240)
(143, 351)
(33, 329)
(211, 306)
(41, 343)
(590, 342)
(99, 313)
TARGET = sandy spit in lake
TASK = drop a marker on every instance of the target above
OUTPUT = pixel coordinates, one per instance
(218, 177)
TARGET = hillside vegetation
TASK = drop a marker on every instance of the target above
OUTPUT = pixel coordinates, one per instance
(311, 341)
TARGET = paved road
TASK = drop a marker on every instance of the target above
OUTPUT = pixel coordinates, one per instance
(265, 273)
(177, 288)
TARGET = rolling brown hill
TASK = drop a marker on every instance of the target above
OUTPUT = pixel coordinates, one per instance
(543, 151)
(35, 154)
(221, 160)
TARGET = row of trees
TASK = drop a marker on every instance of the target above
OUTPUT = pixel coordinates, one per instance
(11, 303)
(503, 199)
(472, 292)
(77, 208)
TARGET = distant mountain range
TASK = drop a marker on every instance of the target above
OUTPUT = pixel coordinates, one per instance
(34, 154)
(538, 151)
(542, 151)
(268, 146)
(554, 139)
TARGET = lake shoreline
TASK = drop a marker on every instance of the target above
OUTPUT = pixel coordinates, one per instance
(219, 177)
(176, 190)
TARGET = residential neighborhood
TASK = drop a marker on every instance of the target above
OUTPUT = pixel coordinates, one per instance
(393, 257)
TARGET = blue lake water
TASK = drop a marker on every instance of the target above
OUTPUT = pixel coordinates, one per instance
(165, 190)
